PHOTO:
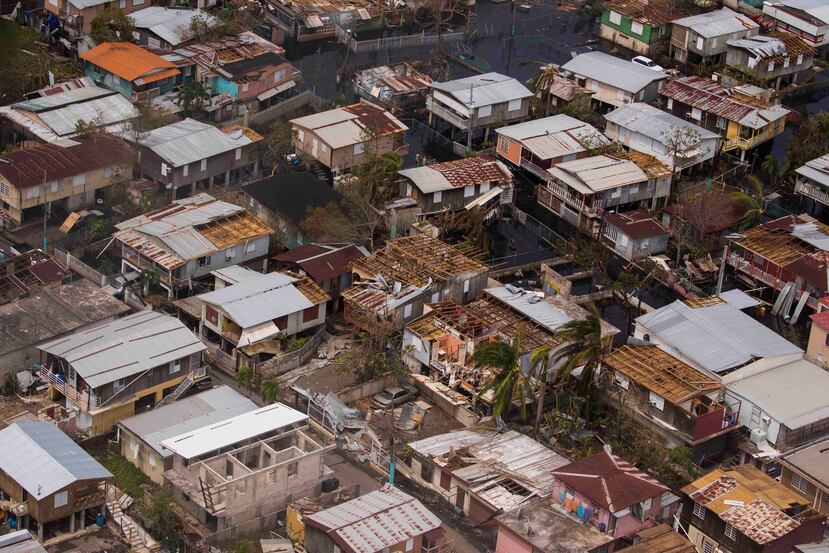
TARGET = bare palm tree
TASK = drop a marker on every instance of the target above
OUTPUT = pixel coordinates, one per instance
(510, 382)
(540, 85)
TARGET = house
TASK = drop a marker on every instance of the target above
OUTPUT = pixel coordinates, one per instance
(539, 144)
(808, 19)
(743, 120)
(72, 177)
(326, 264)
(782, 406)
(52, 484)
(635, 234)
(563, 92)
(345, 137)
(385, 519)
(304, 22)
(806, 471)
(770, 61)
(190, 238)
(817, 349)
(743, 509)
(614, 81)
(20, 541)
(613, 495)
(713, 336)
(500, 472)
(24, 274)
(660, 539)
(141, 435)
(637, 25)
(703, 39)
(248, 311)
(135, 73)
(675, 142)
(395, 282)
(188, 156)
(582, 191)
(544, 526)
(812, 182)
(244, 471)
(160, 27)
(440, 345)
(787, 251)
(47, 313)
(104, 374)
(76, 15)
(283, 200)
(478, 103)
(396, 87)
(54, 117)
(457, 185)
(673, 399)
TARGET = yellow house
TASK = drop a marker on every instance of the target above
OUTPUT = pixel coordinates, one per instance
(817, 350)
(744, 115)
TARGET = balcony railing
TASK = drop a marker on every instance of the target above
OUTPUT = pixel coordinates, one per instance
(747, 143)
(535, 169)
(553, 189)
(86, 401)
(817, 193)
(744, 266)
(451, 117)
(91, 500)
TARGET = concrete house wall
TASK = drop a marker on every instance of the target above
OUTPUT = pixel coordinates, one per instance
(622, 33)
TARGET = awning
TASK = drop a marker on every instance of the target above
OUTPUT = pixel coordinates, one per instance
(485, 198)
(257, 333)
(739, 299)
(276, 90)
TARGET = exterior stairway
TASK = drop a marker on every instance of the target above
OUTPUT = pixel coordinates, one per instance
(137, 538)
(185, 385)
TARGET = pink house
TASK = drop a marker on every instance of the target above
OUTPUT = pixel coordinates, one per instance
(613, 495)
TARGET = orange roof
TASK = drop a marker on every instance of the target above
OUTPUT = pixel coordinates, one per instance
(131, 62)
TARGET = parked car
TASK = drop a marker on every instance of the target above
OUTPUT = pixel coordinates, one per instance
(647, 62)
(393, 396)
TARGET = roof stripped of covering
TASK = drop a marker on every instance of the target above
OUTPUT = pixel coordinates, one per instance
(555, 136)
(483, 90)
(130, 62)
(401, 78)
(717, 23)
(125, 347)
(651, 13)
(712, 97)
(350, 125)
(749, 500)
(456, 174)
(661, 373)
(616, 72)
(597, 173)
(375, 521)
(189, 228)
(609, 481)
(323, 262)
(775, 48)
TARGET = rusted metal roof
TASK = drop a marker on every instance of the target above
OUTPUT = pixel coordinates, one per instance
(712, 97)
(636, 224)
(654, 14)
(457, 173)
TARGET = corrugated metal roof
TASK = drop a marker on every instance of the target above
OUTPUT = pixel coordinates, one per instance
(457, 173)
(184, 415)
(542, 312)
(125, 347)
(811, 234)
(598, 173)
(717, 23)
(350, 124)
(73, 96)
(794, 394)
(555, 136)
(816, 170)
(812, 460)
(258, 298)
(817, 9)
(42, 459)
(189, 141)
(715, 338)
(20, 541)
(172, 25)
(652, 122)
(130, 62)
(485, 90)
(247, 426)
(760, 46)
(375, 521)
(616, 72)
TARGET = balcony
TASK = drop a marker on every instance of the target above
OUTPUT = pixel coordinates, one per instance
(749, 143)
(817, 193)
(86, 401)
(92, 500)
(443, 112)
(552, 191)
(744, 266)
(710, 420)
(535, 169)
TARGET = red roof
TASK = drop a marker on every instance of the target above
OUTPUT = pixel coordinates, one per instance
(812, 268)
(609, 481)
(636, 224)
(30, 166)
(472, 170)
(821, 319)
(320, 261)
(786, 223)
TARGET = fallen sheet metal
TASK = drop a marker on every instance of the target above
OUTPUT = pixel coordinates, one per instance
(411, 417)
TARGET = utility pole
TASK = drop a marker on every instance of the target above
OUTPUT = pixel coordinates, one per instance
(46, 210)
(471, 117)
(722, 268)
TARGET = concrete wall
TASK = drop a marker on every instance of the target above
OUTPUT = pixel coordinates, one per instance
(137, 452)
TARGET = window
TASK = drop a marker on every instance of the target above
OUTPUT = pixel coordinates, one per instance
(622, 380)
(270, 477)
(771, 66)
(407, 311)
(722, 123)
(785, 63)
(670, 103)
(696, 114)
(484, 111)
(292, 469)
(61, 499)
(55, 186)
(188, 69)
(151, 459)
(730, 532)
(799, 483)
(615, 18)
(620, 94)
(707, 547)
(250, 247)
(119, 385)
(203, 261)
(310, 314)
(468, 190)
(245, 87)
(699, 42)
(435, 298)
(636, 28)
(185, 170)
(279, 75)
(122, 4)
(633, 189)
(203, 165)
(107, 174)
(437, 197)
(827, 340)
(359, 149)
(699, 511)
(514, 105)
(799, 59)
(503, 143)
(485, 188)
(300, 134)
(755, 414)
(409, 544)
(5, 190)
(238, 154)
(230, 254)
(80, 180)
(596, 509)
(175, 366)
(657, 401)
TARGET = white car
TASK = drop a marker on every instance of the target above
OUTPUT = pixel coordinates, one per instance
(647, 62)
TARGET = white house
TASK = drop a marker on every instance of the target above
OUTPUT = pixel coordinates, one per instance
(809, 19)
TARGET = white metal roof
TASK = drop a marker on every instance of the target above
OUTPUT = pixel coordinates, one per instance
(186, 414)
(818, 9)
(816, 170)
(794, 394)
(739, 299)
(376, 521)
(759, 118)
(555, 136)
(189, 141)
(598, 173)
(485, 90)
(542, 312)
(811, 234)
(616, 72)
(258, 298)
(240, 428)
(717, 23)
(715, 338)
(43, 460)
(20, 541)
(652, 122)
(125, 347)
(170, 24)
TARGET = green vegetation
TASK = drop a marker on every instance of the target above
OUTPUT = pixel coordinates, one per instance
(111, 25)
(127, 476)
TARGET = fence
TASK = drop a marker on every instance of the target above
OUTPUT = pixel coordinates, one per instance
(82, 268)
(289, 105)
(393, 42)
(291, 360)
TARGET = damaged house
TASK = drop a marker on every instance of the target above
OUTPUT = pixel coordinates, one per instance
(396, 87)
(771, 61)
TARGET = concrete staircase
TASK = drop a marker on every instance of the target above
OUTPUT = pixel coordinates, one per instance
(137, 538)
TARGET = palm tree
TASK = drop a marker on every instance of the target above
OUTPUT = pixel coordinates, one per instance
(584, 347)
(540, 85)
(771, 167)
(271, 391)
(244, 378)
(193, 95)
(752, 201)
(510, 382)
(149, 278)
(540, 369)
